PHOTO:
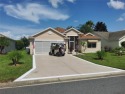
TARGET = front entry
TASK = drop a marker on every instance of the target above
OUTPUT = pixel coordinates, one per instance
(72, 43)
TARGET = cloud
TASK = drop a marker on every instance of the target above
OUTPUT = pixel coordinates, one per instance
(1, 5)
(116, 4)
(75, 21)
(72, 1)
(121, 18)
(55, 3)
(34, 12)
(16, 32)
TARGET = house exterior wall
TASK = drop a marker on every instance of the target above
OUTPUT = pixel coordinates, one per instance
(109, 43)
(71, 33)
(113, 44)
(10, 47)
(49, 35)
(90, 50)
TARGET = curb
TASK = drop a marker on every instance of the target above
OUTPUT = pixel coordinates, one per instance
(59, 80)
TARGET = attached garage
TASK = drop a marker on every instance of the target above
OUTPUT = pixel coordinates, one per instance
(43, 47)
(40, 43)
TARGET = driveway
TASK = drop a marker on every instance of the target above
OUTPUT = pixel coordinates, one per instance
(52, 66)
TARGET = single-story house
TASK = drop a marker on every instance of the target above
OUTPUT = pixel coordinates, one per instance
(111, 39)
(40, 42)
(11, 44)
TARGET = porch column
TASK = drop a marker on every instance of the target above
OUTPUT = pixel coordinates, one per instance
(66, 41)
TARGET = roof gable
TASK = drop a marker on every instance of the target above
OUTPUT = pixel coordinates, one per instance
(88, 36)
(68, 30)
(45, 30)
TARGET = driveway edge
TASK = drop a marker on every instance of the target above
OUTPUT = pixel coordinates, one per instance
(25, 74)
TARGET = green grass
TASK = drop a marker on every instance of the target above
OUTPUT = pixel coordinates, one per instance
(9, 72)
(110, 60)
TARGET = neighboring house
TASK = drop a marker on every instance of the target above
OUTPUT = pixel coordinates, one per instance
(111, 39)
(71, 37)
(11, 44)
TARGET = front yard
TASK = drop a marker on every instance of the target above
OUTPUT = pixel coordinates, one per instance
(9, 72)
(110, 60)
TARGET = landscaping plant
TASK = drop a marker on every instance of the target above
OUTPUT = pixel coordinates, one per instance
(15, 56)
(101, 54)
(119, 51)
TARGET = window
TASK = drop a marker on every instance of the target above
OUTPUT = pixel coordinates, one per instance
(91, 44)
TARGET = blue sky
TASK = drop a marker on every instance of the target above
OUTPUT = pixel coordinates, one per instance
(26, 17)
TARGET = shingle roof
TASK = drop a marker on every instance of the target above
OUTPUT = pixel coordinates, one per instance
(1, 35)
(110, 35)
(116, 35)
(83, 36)
(104, 35)
(61, 30)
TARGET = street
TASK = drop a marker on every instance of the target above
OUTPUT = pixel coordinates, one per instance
(112, 85)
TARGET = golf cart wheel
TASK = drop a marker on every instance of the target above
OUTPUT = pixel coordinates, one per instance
(63, 54)
(50, 53)
(57, 54)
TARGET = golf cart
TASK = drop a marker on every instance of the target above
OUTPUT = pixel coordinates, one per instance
(57, 49)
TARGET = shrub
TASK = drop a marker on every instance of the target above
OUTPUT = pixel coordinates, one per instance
(108, 49)
(15, 56)
(101, 54)
(119, 51)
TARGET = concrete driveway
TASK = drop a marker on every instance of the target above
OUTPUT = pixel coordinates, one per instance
(68, 65)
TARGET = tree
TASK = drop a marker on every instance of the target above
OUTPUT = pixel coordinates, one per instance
(69, 27)
(87, 27)
(4, 42)
(100, 26)
(19, 45)
(15, 56)
(90, 24)
(25, 42)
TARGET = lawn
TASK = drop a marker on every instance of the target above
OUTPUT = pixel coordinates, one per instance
(9, 72)
(110, 60)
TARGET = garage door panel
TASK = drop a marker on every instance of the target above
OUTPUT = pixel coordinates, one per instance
(43, 47)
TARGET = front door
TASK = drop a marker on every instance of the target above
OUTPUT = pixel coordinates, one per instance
(71, 46)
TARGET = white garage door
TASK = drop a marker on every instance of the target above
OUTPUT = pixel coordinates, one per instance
(43, 47)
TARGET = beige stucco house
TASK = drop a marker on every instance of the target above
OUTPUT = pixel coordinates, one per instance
(11, 44)
(111, 39)
(40, 42)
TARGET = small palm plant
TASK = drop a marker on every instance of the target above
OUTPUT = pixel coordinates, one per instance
(83, 43)
(101, 54)
(15, 56)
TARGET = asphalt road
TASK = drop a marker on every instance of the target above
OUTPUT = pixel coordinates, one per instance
(112, 85)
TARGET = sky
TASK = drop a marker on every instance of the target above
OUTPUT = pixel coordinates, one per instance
(20, 18)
